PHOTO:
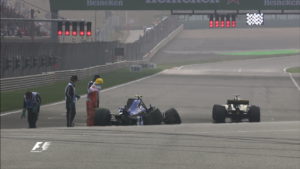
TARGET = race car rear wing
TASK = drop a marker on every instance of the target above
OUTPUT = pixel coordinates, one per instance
(238, 102)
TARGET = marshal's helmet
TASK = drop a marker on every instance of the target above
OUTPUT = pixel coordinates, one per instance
(99, 81)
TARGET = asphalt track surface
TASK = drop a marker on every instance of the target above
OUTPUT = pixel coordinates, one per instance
(192, 90)
(272, 145)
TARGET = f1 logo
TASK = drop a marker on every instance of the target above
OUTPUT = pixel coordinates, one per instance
(40, 147)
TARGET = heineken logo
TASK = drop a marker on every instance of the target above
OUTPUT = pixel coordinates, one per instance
(233, 1)
(282, 2)
(182, 1)
(96, 3)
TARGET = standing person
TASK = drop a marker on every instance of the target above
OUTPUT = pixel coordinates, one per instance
(32, 102)
(93, 101)
(92, 81)
(71, 97)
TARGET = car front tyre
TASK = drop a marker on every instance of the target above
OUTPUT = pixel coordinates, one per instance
(171, 116)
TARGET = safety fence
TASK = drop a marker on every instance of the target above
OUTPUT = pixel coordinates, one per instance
(13, 83)
(51, 77)
(21, 59)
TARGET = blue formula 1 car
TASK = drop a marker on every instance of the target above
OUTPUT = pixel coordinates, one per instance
(135, 112)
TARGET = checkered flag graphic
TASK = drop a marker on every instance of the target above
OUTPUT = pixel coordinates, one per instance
(255, 19)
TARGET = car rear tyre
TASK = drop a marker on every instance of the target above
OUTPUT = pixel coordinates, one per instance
(153, 117)
(102, 117)
(254, 114)
(171, 116)
(157, 117)
(218, 114)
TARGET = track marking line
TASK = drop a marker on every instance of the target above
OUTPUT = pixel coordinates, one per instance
(84, 96)
(266, 131)
(292, 78)
(294, 81)
(179, 68)
(248, 131)
(9, 113)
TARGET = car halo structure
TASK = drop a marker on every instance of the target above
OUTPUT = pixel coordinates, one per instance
(236, 109)
(135, 112)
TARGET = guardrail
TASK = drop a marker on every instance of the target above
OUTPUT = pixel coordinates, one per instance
(162, 43)
(13, 83)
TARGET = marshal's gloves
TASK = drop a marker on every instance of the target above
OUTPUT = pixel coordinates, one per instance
(23, 114)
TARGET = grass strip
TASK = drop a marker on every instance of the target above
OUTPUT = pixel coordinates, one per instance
(263, 53)
(13, 100)
(293, 70)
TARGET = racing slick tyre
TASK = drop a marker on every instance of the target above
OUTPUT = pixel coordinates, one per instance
(102, 117)
(218, 114)
(254, 114)
(171, 116)
(153, 117)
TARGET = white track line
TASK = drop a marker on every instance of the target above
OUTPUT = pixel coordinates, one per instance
(9, 113)
(292, 78)
(84, 96)
(179, 68)
(248, 131)
(294, 81)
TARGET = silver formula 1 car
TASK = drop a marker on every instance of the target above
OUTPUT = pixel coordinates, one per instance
(236, 109)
